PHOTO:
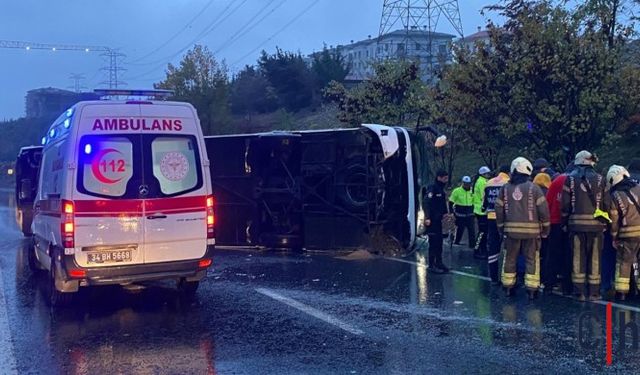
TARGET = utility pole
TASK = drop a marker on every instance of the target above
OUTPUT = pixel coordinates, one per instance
(113, 68)
(77, 82)
(419, 20)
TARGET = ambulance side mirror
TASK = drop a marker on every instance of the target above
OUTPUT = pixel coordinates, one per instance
(26, 189)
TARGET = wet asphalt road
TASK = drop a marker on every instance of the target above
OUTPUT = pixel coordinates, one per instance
(259, 313)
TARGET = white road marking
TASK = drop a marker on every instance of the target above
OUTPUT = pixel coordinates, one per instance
(603, 303)
(310, 310)
(451, 271)
(7, 353)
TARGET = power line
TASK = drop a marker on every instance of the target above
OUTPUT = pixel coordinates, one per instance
(208, 29)
(212, 26)
(283, 28)
(223, 16)
(247, 26)
(174, 36)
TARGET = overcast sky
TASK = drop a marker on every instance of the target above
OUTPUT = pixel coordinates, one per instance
(154, 32)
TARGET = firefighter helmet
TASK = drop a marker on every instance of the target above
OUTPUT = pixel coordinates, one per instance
(616, 174)
(521, 165)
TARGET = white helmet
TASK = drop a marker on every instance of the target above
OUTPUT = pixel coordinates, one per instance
(586, 158)
(616, 174)
(521, 165)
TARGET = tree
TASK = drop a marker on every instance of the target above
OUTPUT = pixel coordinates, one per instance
(251, 93)
(552, 76)
(472, 98)
(394, 95)
(203, 82)
(290, 77)
(329, 66)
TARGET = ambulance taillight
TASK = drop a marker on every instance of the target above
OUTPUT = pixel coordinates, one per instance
(210, 218)
(68, 227)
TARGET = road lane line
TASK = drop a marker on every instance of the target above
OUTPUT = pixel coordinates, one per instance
(310, 310)
(603, 303)
(451, 271)
(7, 353)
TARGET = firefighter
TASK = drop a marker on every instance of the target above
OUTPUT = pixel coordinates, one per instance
(480, 251)
(435, 208)
(625, 225)
(461, 201)
(585, 206)
(522, 215)
(494, 238)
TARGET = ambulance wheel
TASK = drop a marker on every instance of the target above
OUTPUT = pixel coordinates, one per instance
(31, 257)
(56, 297)
(188, 289)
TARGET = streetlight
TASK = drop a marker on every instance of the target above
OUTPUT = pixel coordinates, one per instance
(10, 171)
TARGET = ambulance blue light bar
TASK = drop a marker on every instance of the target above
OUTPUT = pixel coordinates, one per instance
(162, 94)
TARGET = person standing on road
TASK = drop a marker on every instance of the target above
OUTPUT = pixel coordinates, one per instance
(523, 217)
(543, 180)
(462, 205)
(480, 251)
(494, 238)
(585, 206)
(625, 225)
(558, 261)
(435, 209)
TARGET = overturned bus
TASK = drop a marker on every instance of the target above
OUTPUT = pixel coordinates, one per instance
(320, 190)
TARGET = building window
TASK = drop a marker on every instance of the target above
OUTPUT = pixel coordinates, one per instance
(442, 49)
(386, 47)
(418, 47)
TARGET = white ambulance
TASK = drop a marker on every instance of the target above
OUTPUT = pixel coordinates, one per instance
(124, 195)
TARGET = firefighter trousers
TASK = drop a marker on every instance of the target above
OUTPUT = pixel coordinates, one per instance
(530, 248)
(586, 249)
(494, 242)
(626, 256)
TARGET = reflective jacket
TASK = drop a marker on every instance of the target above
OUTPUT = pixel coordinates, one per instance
(462, 201)
(582, 188)
(522, 212)
(478, 196)
(624, 214)
(491, 191)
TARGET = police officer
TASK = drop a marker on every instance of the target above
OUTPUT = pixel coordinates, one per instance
(585, 206)
(522, 215)
(494, 238)
(625, 225)
(462, 204)
(435, 208)
(484, 173)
